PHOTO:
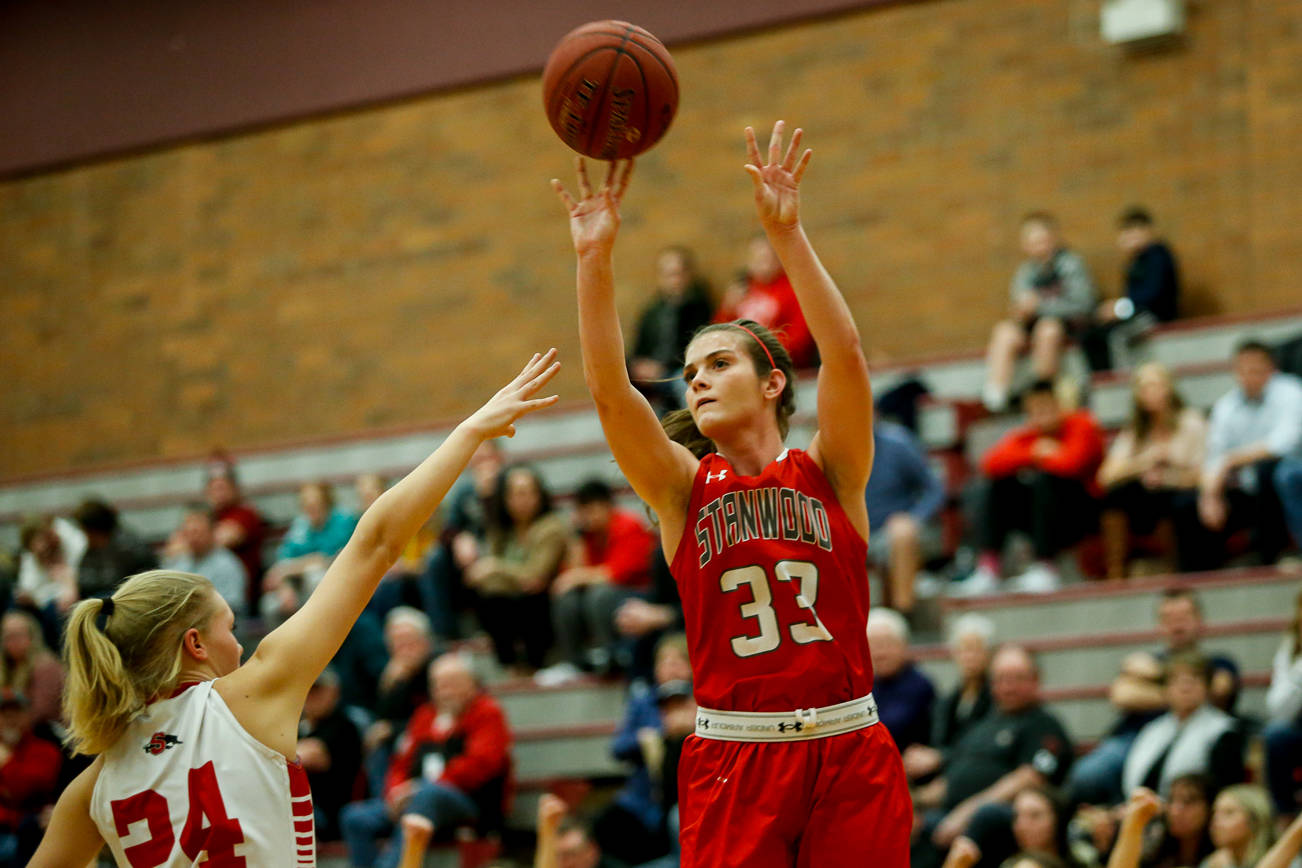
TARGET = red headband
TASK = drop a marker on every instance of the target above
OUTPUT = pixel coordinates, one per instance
(772, 365)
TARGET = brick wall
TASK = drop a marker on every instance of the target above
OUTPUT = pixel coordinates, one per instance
(391, 266)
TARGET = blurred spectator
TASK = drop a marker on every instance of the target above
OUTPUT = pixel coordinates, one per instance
(904, 695)
(29, 668)
(970, 641)
(315, 536)
(1138, 696)
(1283, 733)
(52, 548)
(1040, 478)
(29, 773)
(1252, 427)
(903, 496)
(1155, 460)
(194, 549)
(360, 662)
(576, 847)
(680, 306)
(1188, 817)
(1019, 744)
(1180, 621)
(633, 828)
(403, 686)
(330, 750)
(239, 527)
(453, 766)
(644, 622)
(112, 551)
(1051, 299)
(1035, 822)
(1288, 485)
(1193, 737)
(1242, 828)
(1152, 292)
(608, 564)
(527, 542)
(764, 294)
(462, 540)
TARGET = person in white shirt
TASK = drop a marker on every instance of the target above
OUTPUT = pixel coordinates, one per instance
(1252, 427)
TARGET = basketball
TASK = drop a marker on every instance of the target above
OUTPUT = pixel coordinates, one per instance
(610, 89)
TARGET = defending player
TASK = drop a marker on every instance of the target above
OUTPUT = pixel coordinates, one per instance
(768, 546)
(194, 750)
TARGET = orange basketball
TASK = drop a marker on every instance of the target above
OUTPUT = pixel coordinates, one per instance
(610, 89)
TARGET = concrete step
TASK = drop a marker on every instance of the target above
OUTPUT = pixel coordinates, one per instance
(1225, 595)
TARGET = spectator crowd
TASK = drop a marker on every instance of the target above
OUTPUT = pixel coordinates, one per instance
(404, 743)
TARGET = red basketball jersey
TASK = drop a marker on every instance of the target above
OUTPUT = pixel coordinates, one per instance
(774, 583)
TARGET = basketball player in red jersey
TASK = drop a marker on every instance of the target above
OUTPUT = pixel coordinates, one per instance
(194, 750)
(788, 766)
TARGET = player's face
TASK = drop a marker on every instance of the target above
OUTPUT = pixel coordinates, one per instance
(723, 388)
(224, 650)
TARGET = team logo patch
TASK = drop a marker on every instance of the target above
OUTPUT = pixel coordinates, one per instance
(161, 741)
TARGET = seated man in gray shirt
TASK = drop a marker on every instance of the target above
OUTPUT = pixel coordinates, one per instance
(1252, 427)
(193, 549)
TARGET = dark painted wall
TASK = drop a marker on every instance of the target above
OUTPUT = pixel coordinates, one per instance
(83, 79)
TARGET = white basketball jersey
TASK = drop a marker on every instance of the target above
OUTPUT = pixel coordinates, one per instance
(187, 785)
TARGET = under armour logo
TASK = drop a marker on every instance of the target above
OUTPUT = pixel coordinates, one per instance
(710, 477)
(794, 727)
(703, 722)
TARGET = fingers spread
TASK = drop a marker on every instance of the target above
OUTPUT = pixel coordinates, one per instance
(566, 199)
(789, 158)
(621, 183)
(752, 147)
(800, 167)
(775, 142)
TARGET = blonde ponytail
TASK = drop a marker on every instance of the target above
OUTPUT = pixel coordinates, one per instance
(125, 651)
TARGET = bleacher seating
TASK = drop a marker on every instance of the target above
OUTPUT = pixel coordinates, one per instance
(562, 733)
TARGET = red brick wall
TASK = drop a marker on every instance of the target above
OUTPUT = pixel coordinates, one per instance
(391, 266)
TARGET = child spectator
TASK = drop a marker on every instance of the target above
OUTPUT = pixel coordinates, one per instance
(610, 563)
(1152, 292)
(1051, 298)
(1040, 479)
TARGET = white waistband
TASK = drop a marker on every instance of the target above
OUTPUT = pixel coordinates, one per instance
(798, 725)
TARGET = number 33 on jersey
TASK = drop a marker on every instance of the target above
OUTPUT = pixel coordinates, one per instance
(774, 583)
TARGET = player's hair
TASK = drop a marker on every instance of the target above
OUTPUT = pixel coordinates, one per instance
(119, 662)
(760, 344)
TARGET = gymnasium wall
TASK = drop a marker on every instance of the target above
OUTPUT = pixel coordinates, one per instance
(391, 266)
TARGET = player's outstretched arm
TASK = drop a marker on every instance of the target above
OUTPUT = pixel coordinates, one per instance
(659, 470)
(291, 657)
(844, 443)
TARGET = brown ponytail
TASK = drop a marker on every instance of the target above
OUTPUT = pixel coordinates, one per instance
(761, 345)
(125, 651)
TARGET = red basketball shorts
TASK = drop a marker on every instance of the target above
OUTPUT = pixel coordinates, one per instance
(833, 801)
